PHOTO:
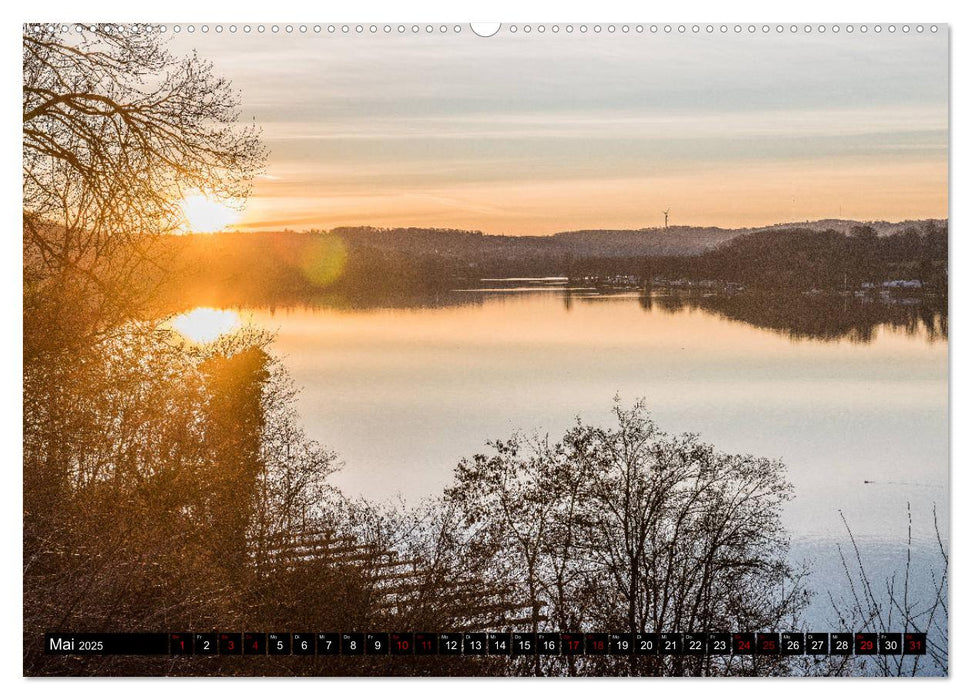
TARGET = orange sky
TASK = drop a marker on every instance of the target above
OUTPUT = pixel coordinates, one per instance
(536, 134)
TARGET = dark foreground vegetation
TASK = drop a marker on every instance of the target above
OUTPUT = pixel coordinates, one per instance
(169, 486)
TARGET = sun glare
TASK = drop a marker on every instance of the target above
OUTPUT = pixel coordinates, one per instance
(204, 215)
(204, 325)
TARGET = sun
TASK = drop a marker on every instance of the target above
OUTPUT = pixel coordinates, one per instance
(204, 215)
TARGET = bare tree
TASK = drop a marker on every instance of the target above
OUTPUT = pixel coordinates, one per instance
(116, 130)
(631, 530)
(902, 602)
(125, 430)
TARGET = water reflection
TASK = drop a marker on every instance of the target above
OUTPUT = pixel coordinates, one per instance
(824, 317)
(855, 392)
(850, 393)
(205, 324)
(799, 316)
(401, 394)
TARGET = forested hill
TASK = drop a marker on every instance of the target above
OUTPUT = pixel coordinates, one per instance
(598, 243)
(622, 243)
(365, 265)
(803, 258)
(881, 228)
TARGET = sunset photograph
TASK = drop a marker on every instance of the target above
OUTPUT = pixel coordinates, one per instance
(470, 350)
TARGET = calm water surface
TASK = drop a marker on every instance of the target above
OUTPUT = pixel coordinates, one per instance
(402, 394)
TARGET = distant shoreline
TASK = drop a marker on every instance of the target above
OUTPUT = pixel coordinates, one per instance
(882, 226)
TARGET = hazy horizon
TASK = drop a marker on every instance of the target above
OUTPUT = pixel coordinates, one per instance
(243, 228)
(534, 134)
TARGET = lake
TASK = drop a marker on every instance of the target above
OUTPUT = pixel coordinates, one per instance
(858, 417)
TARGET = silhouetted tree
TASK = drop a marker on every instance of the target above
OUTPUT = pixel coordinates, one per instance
(629, 529)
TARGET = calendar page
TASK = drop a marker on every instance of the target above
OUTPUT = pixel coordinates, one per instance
(546, 349)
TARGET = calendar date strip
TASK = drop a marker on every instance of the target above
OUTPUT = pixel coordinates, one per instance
(484, 643)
